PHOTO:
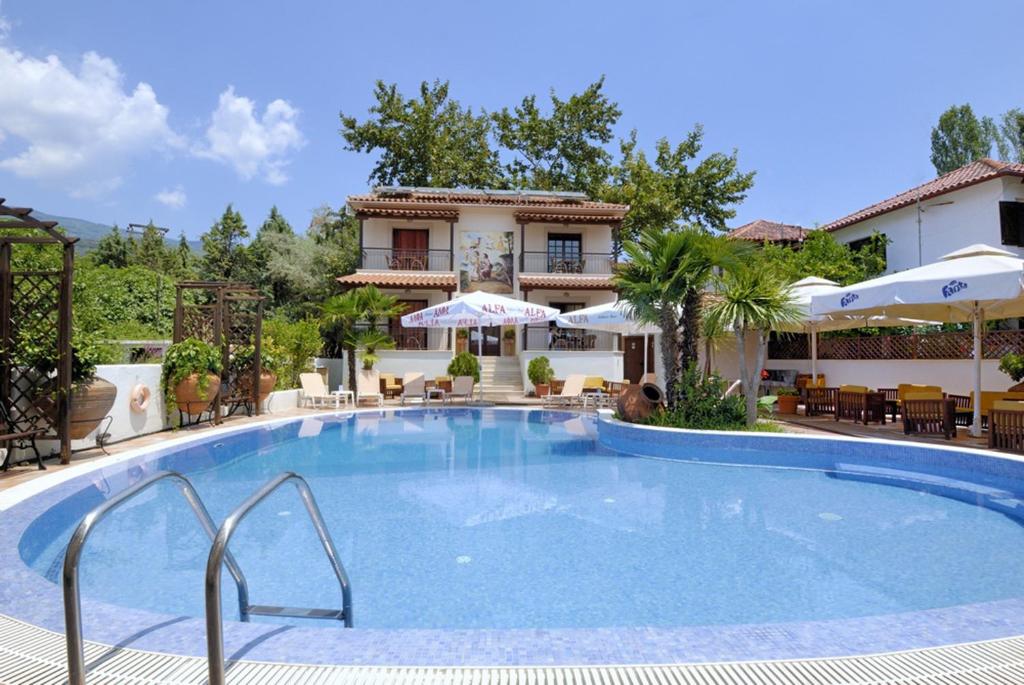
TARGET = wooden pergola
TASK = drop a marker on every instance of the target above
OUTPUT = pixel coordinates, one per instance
(34, 304)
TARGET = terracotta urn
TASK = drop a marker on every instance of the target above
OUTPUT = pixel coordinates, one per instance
(190, 399)
(637, 402)
(787, 404)
(267, 382)
(90, 404)
(542, 389)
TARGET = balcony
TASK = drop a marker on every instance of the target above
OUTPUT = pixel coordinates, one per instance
(395, 259)
(546, 337)
(584, 263)
(411, 338)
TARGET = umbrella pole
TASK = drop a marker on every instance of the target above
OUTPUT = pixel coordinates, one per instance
(644, 374)
(979, 317)
(814, 355)
(480, 359)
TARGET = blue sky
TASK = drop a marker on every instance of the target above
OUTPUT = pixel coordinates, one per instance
(125, 111)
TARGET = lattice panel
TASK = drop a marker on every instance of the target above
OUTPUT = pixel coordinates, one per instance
(953, 345)
(34, 323)
(197, 321)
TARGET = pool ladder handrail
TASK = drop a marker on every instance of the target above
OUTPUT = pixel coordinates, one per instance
(73, 556)
(219, 552)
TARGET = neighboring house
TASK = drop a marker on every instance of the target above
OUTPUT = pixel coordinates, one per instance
(982, 202)
(428, 245)
(761, 231)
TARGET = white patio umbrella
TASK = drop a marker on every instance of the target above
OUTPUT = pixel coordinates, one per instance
(803, 290)
(966, 285)
(611, 317)
(476, 310)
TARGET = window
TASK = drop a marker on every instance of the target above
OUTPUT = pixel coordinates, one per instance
(565, 252)
(1011, 223)
(881, 245)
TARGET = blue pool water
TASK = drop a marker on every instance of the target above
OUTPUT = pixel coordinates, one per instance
(519, 519)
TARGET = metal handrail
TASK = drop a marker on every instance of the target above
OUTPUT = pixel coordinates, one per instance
(214, 618)
(73, 555)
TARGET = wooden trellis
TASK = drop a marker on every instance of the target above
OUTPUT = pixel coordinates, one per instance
(35, 331)
(229, 317)
(942, 345)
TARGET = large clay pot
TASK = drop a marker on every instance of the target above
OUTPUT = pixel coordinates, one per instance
(787, 404)
(189, 398)
(541, 389)
(267, 382)
(637, 402)
(90, 404)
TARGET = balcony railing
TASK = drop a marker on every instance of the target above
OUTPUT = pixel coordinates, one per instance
(397, 259)
(585, 263)
(580, 340)
(412, 338)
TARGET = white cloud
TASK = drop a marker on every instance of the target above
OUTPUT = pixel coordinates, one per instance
(80, 129)
(254, 146)
(174, 198)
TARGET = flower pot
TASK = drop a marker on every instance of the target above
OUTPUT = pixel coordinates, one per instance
(787, 404)
(90, 404)
(461, 344)
(542, 389)
(267, 382)
(190, 399)
(637, 402)
(508, 347)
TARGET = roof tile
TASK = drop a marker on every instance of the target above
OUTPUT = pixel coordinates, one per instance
(402, 279)
(761, 230)
(568, 281)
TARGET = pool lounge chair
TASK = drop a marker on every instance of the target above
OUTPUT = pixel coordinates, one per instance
(313, 390)
(572, 392)
(413, 387)
(462, 386)
(368, 388)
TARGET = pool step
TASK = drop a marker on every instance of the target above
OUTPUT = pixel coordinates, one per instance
(293, 612)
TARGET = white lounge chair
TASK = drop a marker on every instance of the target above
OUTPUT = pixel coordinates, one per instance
(462, 386)
(572, 392)
(368, 387)
(413, 387)
(313, 389)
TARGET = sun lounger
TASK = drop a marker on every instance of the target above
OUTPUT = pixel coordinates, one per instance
(572, 392)
(368, 388)
(413, 387)
(462, 386)
(314, 390)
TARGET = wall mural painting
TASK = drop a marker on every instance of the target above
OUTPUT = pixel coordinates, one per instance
(486, 261)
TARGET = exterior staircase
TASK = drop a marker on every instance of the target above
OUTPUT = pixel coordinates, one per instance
(501, 378)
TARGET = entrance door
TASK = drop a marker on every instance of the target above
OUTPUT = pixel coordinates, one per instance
(633, 357)
(492, 341)
(408, 338)
(409, 249)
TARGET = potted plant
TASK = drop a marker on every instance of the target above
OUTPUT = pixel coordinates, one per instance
(464, 364)
(508, 341)
(1012, 365)
(91, 396)
(461, 340)
(370, 340)
(190, 377)
(242, 361)
(540, 373)
(788, 399)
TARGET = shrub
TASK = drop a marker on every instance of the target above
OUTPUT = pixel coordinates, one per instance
(539, 371)
(1013, 366)
(181, 360)
(464, 364)
(509, 334)
(296, 343)
(787, 392)
(701, 404)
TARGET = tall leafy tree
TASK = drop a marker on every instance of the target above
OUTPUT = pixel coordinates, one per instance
(960, 138)
(1010, 140)
(182, 260)
(274, 238)
(675, 190)
(225, 254)
(429, 140)
(151, 250)
(823, 256)
(562, 150)
(113, 250)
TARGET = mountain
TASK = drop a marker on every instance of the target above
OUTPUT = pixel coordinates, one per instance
(89, 233)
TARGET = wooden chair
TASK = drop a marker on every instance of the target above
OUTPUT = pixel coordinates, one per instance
(820, 401)
(963, 410)
(988, 398)
(390, 386)
(858, 403)
(1006, 426)
(928, 412)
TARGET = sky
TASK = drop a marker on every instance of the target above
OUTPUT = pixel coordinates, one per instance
(127, 111)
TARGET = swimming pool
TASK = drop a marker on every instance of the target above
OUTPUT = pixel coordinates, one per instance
(512, 536)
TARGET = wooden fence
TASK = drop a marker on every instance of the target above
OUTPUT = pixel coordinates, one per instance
(957, 345)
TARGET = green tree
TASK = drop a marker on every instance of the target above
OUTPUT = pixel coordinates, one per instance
(299, 341)
(753, 300)
(225, 255)
(663, 280)
(274, 239)
(183, 262)
(674, 191)
(151, 250)
(563, 150)
(960, 138)
(823, 256)
(113, 250)
(1010, 140)
(426, 141)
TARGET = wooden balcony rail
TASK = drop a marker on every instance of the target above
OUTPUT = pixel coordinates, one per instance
(412, 338)
(397, 259)
(584, 263)
(551, 338)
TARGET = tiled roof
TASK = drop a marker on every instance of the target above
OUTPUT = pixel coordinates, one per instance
(449, 196)
(402, 279)
(975, 172)
(416, 213)
(566, 281)
(554, 218)
(771, 231)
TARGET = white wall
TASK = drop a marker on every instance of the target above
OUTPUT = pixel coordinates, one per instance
(377, 232)
(564, 362)
(399, 362)
(126, 423)
(973, 217)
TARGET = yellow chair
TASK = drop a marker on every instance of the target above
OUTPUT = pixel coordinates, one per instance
(389, 385)
(861, 389)
(1006, 425)
(989, 397)
(593, 383)
(903, 388)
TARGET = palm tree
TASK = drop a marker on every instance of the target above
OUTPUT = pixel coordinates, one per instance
(377, 306)
(752, 300)
(370, 340)
(663, 281)
(340, 313)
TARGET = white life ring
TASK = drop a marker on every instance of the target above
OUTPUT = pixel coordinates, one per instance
(140, 398)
